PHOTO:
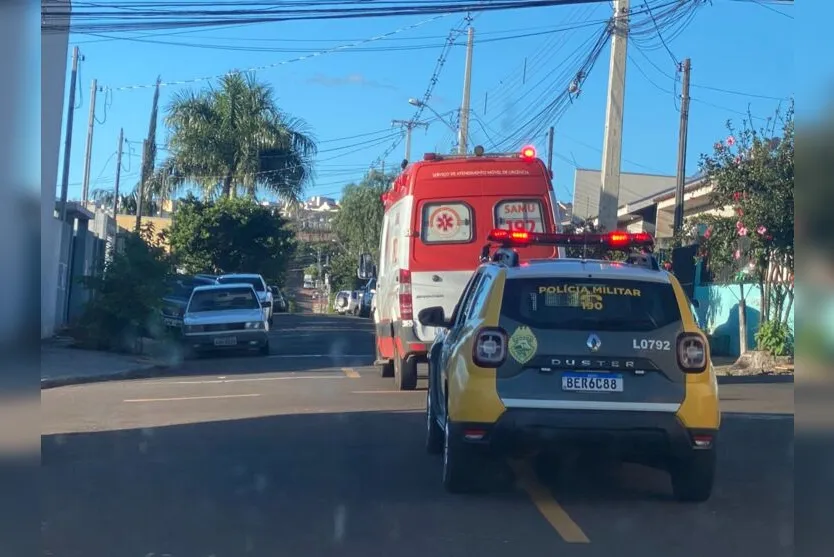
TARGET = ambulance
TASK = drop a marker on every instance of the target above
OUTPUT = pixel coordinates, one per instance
(437, 213)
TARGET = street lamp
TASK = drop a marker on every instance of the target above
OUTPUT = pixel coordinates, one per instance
(420, 104)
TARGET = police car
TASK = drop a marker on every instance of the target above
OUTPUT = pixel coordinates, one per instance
(579, 353)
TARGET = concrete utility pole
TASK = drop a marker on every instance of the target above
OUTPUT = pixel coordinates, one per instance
(409, 125)
(467, 85)
(91, 124)
(550, 150)
(612, 146)
(141, 195)
(684, 68)
(68, 136)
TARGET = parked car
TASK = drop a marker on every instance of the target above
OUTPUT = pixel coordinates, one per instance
(279, 301)
(225, 316)
(258, 283)
(347, 302)
(173, 304)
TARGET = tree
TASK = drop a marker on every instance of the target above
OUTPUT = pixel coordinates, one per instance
(234, 139)
(230, 236)
(343, 272)
(358, 225)
(127, 294)
(752, 175)
(590, 252)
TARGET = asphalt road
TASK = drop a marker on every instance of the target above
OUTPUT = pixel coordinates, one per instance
(309, 452)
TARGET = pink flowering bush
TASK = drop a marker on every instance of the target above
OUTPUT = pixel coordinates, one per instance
(752, 176)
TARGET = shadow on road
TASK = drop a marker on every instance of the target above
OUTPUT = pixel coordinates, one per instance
(361, 482)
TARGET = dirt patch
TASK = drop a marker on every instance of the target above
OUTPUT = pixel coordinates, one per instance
(757, 362)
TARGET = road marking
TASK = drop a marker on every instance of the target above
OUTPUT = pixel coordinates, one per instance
(334, 356)
(755, 416)
(384, 392)
(250, 379)
(188, 398)
(547, 505)
(350, 373)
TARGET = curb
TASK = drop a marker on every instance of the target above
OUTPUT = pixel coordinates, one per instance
(142, 372)
(760, 378)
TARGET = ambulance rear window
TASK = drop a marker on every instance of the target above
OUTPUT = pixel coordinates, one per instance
(446, 223)
(519, 214)
(584, 305)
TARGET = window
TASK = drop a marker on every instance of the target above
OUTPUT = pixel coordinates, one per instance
(256, 282)
(520, 214)
(225, 299)
(599, 305)
(446, 223)
(463, 303)
(480, 297)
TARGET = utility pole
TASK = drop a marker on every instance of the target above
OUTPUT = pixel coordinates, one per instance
(118, 174)
(91, 124)
(467, 85)
(550, 151)
(68, 136)
(684, 68)
(409, 125)
(141, 195)
(612, 146)
(148, 155)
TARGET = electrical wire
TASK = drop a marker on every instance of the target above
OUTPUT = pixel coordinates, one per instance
(92, 18)
(308, 56)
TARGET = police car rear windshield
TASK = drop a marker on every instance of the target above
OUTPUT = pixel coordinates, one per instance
(598, 305)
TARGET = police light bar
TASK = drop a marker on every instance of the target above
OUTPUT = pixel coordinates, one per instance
(611, 240)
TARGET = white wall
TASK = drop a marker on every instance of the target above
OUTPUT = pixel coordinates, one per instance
(54, 63)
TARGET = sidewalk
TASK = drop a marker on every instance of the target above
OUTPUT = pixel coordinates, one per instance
(61, 365)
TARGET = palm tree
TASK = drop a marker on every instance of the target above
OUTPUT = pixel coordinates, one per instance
(233, 139)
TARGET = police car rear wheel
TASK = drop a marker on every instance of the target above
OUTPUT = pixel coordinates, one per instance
(693, 477)
(460, 470)
(434, 434)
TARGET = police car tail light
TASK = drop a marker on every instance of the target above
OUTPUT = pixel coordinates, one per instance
(693, 355)
(611, 240)
(406, 305)
(490, 349)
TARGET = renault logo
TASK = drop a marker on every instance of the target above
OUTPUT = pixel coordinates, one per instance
(593, 343)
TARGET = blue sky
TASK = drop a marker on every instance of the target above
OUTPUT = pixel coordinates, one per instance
(741, 48)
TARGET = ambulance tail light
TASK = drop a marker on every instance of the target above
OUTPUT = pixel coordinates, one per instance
(490, 347)
(406, 304)
(693, 353)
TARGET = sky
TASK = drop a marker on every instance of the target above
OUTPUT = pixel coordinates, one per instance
(348, 94)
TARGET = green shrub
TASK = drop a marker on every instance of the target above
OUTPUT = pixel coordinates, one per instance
(126, 297)
(776, 338)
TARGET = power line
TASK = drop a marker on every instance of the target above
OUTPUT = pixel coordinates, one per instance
(285, 62)
(94, 18)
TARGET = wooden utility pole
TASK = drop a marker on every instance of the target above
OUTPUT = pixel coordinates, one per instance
(467, 87)
(684, 68)
(612, 147)
(409, 125)
(91, 125)
(148, 155)
(118, 174)
(68, 136)
(140, 198)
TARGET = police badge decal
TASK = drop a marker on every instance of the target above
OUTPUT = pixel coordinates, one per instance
(523, 345)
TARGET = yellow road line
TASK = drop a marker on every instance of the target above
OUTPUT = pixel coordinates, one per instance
(350, 373)
(547, 505)
(187, 398)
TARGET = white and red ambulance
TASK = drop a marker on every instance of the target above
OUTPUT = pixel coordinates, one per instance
(438, 214)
